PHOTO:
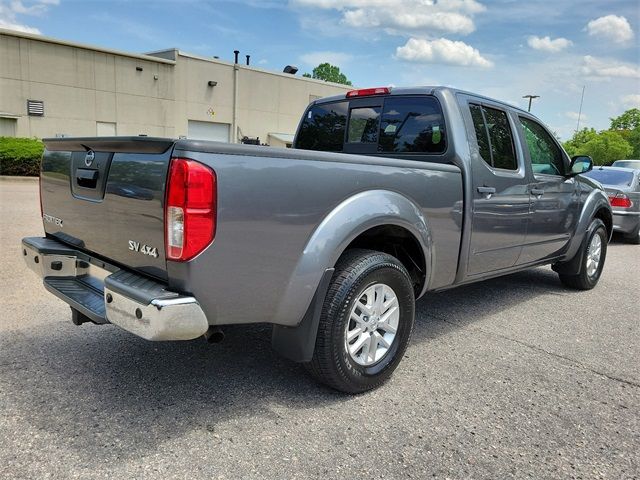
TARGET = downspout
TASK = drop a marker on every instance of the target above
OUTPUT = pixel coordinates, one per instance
(234, 122)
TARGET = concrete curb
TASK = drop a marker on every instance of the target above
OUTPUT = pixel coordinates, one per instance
(11, 178)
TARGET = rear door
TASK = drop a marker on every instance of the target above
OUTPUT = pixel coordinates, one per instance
(106, 196)
(555, 199)
(500, 196)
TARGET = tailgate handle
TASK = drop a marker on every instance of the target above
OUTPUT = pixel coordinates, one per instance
(87, 178)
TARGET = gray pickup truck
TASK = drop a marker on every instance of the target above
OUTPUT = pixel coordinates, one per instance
(387, 194)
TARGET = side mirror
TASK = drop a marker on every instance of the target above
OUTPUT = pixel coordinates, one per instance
(580, 164)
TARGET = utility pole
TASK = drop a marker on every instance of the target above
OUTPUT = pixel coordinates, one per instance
(530, 97)
(580, 111)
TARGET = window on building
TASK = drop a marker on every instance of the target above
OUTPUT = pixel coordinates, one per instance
(494, 137)
(106, 129)
(8, 127)
(544, 152)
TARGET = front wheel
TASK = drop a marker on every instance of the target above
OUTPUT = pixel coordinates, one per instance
(366, 322)
(594, 252)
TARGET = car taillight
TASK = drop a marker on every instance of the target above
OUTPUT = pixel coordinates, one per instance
(366, 92)
(620, 200)
(190, 209)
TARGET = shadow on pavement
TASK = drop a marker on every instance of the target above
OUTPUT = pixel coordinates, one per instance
(112, 395)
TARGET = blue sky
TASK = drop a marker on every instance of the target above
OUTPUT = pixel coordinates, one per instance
(501, 48)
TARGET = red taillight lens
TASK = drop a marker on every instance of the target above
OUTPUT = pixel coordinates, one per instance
(366, 92)
(190, 209)
(620, 200)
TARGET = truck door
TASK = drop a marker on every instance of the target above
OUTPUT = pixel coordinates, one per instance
(500, 196)
(555, 199)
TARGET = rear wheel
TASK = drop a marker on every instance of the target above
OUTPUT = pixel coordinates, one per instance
(366, 322)
(594, 252)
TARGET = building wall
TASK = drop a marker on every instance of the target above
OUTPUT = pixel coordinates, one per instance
(86, 89)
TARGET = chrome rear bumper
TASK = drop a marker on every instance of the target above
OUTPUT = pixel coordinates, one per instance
(107, 294)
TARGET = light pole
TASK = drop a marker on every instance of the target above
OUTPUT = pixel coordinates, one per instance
(530, 97)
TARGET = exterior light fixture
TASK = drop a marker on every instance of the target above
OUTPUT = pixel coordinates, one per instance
(212, 83)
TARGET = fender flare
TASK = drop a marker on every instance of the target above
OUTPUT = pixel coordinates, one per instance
(305, 292)
(596, 200)
(304, 295)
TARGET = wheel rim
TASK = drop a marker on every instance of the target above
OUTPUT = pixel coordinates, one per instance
(593, 255)
(372, 325)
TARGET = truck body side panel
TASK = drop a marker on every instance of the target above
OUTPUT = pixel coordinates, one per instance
(271, 203)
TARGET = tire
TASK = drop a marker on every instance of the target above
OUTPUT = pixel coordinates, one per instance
(360, 278)
(587, 278)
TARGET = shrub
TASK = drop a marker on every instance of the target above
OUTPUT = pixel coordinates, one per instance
(20, 156)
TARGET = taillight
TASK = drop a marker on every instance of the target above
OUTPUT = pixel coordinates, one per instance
(366, 92)
(190, 209)
(620, 200)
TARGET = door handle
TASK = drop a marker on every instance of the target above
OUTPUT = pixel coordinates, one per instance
(487, 190)
(537, 191)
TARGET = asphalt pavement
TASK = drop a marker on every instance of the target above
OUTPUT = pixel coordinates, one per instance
(511, 378)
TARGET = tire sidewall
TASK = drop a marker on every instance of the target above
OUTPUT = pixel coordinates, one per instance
(397, 279)
(597, 227)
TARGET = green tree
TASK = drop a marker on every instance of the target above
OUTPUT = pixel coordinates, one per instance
(629, 120)
(578, 140)
(634, 140)
(328, 73)
(604, 148)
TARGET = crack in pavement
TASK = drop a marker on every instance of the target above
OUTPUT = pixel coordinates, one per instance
(573, 362)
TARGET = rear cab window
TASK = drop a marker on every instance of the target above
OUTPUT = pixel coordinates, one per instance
(618, 178)
(386, 125)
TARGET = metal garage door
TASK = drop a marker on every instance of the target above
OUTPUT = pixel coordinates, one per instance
(218, 132)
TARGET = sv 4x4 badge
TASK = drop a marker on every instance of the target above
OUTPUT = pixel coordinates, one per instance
(144, 249)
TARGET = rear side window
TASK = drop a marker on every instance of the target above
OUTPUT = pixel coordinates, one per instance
(363, 125)
(324, 128)
(494, 136)
(607, 176)
(545, 154)
(412, 125)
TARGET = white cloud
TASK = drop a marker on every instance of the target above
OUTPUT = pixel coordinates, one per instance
(611, 27)
(404, 16)
(546, 44)
(313, 59)
(442, 50)
(575, 115)
(605, 68)
(631, 101)
(10, 10)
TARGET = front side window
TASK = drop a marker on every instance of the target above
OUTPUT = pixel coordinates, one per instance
(412, 125)
(545, 154)
(323, 127)
(363, 125)
(495, 140)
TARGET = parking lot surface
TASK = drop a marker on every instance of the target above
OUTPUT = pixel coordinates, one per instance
(511, 378)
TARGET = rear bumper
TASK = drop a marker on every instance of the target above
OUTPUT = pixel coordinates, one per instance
(625, 221)
(107, 294)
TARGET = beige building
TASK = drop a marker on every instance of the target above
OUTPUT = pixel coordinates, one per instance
(51, 87)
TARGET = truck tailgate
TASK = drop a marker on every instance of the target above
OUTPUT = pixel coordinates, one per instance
(106, 196)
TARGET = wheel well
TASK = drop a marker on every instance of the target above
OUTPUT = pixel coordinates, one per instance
(401, 244)
(605, 215)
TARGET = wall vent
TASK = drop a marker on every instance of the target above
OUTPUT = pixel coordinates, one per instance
(35, 108)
